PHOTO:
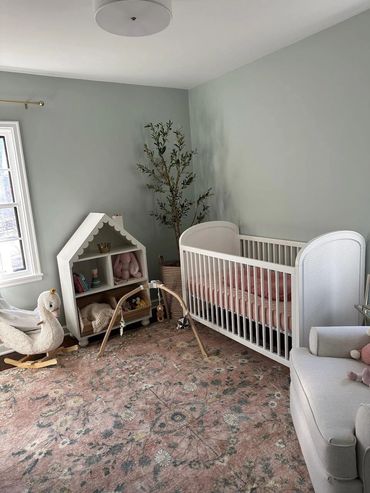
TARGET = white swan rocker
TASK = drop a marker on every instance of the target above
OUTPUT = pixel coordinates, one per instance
(47, 338)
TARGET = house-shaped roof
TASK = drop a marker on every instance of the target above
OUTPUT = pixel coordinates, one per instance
(97, 227)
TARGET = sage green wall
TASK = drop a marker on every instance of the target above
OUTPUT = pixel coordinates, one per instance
(80, 153)
(285, 141)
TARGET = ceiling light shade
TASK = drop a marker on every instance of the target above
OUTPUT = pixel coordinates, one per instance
(133, 17)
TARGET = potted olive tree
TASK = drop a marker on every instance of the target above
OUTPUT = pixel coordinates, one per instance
(170, 178)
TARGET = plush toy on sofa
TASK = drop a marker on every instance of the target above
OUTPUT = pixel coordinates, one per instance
(363, 377)
(98, 314)
(126, 266)
(363, 355)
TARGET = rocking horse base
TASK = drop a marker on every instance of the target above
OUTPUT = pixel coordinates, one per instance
(30, 364)
(47, 360)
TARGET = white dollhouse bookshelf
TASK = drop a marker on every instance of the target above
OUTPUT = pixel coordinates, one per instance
(81, 255)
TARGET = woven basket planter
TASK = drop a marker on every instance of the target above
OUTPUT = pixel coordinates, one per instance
(171, 277)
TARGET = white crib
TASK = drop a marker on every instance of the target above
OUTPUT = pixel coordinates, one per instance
(267, 293)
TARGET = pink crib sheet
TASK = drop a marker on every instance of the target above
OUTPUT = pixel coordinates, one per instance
(274, 281)
(257, 309)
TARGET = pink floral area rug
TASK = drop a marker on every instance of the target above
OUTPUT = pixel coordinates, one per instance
(151, 415)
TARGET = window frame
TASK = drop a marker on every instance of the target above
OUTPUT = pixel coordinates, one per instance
(10, 131)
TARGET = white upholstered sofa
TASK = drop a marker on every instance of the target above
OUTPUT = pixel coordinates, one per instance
(331, 413)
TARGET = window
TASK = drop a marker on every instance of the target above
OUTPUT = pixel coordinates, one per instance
(19, 262)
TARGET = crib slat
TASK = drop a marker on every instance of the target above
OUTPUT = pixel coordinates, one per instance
(226, 308)
(205, 283)
(206, 288)
(220, 301)
(210, 289)
(286, 349)
(187, 280)
(277, 295)
(193, 282)
(201, 285)
(231, 296)
(263, 308)
(242, 287)
(269, 308)
(237, 298)
(197, 280)
(256, 317)
(215, 291)
(250, 318)
(195, 297)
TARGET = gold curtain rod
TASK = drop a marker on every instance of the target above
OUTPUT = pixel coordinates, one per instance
(26, 102)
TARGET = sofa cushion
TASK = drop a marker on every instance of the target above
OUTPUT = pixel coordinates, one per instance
(330, 402)
(321, 480)
(337, 342)
(363, 444)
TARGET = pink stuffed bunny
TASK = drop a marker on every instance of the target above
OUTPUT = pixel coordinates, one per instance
(363, 377)
(126, 266)
(363, 355)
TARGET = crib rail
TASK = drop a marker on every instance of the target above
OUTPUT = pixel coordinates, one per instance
(283, 252)
(249, 300)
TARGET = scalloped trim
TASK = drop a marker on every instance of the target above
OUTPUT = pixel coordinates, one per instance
(105, 220)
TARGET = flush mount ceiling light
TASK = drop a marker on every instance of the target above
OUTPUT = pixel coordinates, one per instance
(133, 17)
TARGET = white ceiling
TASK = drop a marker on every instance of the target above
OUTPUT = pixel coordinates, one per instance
(206, 38)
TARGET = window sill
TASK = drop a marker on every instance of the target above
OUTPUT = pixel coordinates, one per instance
(17, 281)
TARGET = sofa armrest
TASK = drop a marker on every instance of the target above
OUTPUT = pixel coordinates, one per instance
(337, 342)
(363, 444)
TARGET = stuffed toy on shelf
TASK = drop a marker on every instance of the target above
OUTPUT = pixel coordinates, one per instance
(126, 266)
(98, 314)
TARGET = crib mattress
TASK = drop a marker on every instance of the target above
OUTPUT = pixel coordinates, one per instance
(261, 310)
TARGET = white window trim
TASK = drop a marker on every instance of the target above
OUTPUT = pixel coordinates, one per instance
(11, 132)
